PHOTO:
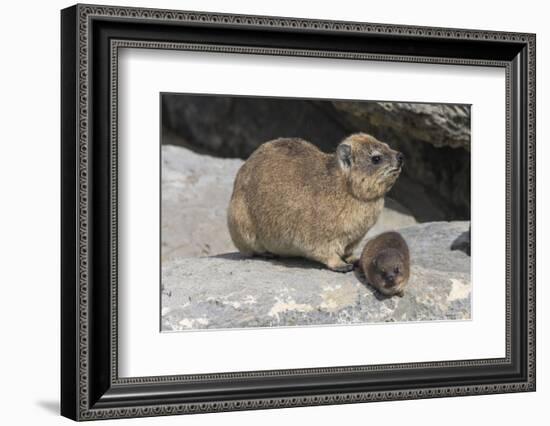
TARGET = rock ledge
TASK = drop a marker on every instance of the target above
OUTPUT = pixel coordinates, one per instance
(229, 291)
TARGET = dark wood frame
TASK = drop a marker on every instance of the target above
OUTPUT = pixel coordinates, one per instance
(91, 37)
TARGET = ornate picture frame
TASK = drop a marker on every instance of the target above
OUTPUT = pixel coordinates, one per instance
(91, 37)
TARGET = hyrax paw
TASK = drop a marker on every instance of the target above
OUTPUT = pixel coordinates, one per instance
(346, 267)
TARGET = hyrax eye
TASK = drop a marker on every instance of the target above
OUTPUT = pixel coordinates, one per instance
(396, 270)
(376, 159)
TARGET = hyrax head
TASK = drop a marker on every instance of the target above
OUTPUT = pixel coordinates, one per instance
(370, 166)
(387, 273)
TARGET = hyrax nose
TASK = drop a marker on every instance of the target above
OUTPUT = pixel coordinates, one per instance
(400, 158)
(390, 279)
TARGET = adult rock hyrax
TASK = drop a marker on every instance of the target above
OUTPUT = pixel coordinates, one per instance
(291, 199)
(385, 262)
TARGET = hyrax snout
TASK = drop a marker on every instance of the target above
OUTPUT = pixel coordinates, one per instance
(291, 199)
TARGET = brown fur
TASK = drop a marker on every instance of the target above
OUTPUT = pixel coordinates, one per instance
(291, 199)
(385, 262)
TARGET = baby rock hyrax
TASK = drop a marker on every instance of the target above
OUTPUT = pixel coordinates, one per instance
(385, 263)
(291, 199)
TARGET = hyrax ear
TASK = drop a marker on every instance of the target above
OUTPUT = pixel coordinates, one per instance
(343, 152)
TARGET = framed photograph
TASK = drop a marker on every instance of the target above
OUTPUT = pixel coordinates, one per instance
(263, 212)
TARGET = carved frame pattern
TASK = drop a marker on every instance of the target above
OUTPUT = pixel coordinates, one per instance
(85, 409)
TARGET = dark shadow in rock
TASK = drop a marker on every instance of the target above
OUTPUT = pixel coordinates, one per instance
(289, 262)
(230, 256)
(363, 280)
(391, 204)
(462, 243)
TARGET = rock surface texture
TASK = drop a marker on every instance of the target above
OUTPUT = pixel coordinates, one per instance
(195, 194)
(229, 291)
(436, 124)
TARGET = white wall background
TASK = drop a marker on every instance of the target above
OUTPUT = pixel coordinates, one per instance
(29, 211)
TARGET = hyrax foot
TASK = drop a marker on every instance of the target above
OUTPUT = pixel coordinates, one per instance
(338, 265)
(346, 267)
(351, 259)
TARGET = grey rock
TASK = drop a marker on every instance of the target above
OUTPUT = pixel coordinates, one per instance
(436, 124)
(463, 243)
(195, 194)
(394, 216)
(229, 291)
